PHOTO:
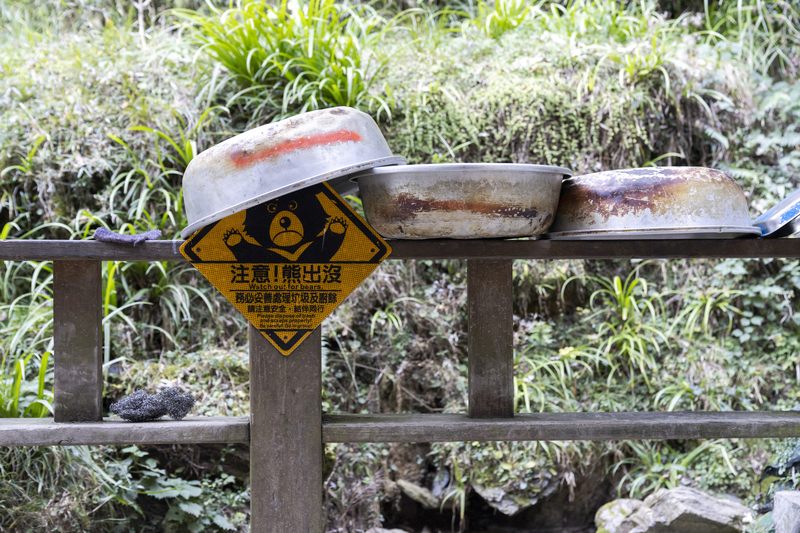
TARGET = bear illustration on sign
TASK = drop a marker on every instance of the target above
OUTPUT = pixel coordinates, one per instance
(295, 227)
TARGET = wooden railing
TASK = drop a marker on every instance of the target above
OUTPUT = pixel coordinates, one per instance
(286, 428)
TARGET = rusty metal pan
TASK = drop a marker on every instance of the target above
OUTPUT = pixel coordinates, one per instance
(652, 203)
(461, 201)
(272, 160)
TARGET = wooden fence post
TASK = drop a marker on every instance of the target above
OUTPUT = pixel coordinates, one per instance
(285, 436)
(78, 341)
(490, 338)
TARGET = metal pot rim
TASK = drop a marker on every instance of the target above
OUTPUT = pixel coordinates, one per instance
(673, 232)
(464, 167)
(634, 170)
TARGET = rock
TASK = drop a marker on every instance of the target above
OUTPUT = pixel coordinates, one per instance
(678, 510)
(420, 495)
(614, 517)
(687, 509)
(786, 512)
(502, 501)
(440, 482)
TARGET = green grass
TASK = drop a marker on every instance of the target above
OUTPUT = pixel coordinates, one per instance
(286, 61)
(764, 32)
(18, 397)
(503, 16)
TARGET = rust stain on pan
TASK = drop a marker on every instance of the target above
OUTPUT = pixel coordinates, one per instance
(244, 158)
(404, 209)
(408, 206)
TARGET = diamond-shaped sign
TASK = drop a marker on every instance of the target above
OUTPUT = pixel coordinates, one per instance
(288, 263)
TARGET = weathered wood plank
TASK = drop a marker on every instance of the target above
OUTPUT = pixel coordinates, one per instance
(490, 338)
(192, 430)
(41, 250)
(417, 428)
(286, 436)
(51, 250)
(640, 249)
(77, 341)
(561, 426)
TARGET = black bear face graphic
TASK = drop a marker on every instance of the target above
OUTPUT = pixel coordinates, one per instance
(286, 229)
(292, 228)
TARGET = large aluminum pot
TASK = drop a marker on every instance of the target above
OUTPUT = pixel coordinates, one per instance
(272, 160)
(461, 201)
(652, 203)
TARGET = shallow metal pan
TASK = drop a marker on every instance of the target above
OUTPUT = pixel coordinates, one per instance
(461, 201)
(652, 203)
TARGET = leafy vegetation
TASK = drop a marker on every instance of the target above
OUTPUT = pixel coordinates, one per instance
(284, 61)
(104, 105)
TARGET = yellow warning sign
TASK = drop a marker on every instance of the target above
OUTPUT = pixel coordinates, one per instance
(288, 263)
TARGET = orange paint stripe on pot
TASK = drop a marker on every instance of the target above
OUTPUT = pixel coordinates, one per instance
(243, 158)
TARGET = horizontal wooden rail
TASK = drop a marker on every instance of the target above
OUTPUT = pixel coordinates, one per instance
(561, 426)
(419, 428)
(193, 430)
(21, 250)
